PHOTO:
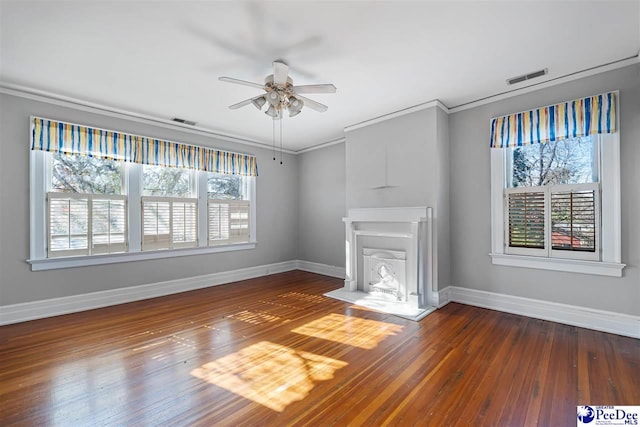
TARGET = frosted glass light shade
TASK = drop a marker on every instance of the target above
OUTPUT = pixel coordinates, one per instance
(272, 111)
(273, 98)
(259, 102)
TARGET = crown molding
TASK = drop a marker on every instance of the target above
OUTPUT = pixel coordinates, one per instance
(499, 96)
(322, 145)
(52, 98)
(548, 83)
(393, 115)
(106, 110)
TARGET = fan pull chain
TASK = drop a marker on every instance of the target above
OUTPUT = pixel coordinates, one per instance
(281, 140)
(274, 138)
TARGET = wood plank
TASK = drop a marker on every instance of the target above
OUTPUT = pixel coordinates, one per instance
(275, 351)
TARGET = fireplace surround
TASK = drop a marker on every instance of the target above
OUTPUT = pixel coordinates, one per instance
(390, 260)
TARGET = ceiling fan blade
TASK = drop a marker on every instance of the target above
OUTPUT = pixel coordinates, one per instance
(313, 104)
(322, 88)
(241, 82)
(241, 103)
(280, 73)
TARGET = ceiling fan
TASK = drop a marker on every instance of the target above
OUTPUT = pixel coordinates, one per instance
(280, 93)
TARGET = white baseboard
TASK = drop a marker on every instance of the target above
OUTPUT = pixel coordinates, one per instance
(327, 270)
(444, 296)
(599, 320)
(56, 306)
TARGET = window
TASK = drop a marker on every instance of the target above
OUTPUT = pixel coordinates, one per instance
(168, 182)
(552, 202)
(555, 188)
(169, 210)
(100, 197)
(84, 174)
(228, 209)
(227, 187)
(86, 213)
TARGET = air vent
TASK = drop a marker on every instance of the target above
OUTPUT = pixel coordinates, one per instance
(186, 122)
(529, 76)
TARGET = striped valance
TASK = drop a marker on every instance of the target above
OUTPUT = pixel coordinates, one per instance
(581, 117)
(56, 136)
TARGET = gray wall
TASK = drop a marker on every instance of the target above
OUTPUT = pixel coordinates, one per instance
(471, 195)
(416, 171)
(277, 219)
(409, 144)
(442, 217)
(321, 195)
(434, 160)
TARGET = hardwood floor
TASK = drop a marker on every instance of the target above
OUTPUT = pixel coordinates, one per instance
(273, 351)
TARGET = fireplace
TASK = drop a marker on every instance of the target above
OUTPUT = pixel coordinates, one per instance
(384, 274)
(389, 260)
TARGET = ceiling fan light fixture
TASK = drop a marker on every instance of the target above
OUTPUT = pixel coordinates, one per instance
(259, 102)
(296, 103)
(273, 98)
(280, 95)
(272, 111)
(293, 113)
(295, 106)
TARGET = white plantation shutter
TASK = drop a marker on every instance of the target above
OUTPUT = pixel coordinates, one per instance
(567, 216)
(156, 217)
(228, 221)
(169, 223)
(526, 217)
(67, 225)
(108, 224)
(85, 224)
(239, 221)
(218, 215)
(575, 220)
(184, 224)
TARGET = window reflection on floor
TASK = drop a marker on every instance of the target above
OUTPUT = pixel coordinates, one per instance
(256, 317)
(304, 297)
(270, 374)
(355, 331)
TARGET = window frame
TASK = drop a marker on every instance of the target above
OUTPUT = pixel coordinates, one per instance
(609, 263)
(39, 183)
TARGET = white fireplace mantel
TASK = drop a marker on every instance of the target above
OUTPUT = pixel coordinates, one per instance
(409, 214)
(416, 236)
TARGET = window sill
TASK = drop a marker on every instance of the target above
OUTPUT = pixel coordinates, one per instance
(82, 261)
(598, 268)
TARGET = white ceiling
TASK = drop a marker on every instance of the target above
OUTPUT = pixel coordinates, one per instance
(164, 58)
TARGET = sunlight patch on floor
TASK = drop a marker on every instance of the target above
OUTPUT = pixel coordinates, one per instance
(255, 317)
(304, 297)
(269, 374)
(277, 304)
(355, 331)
